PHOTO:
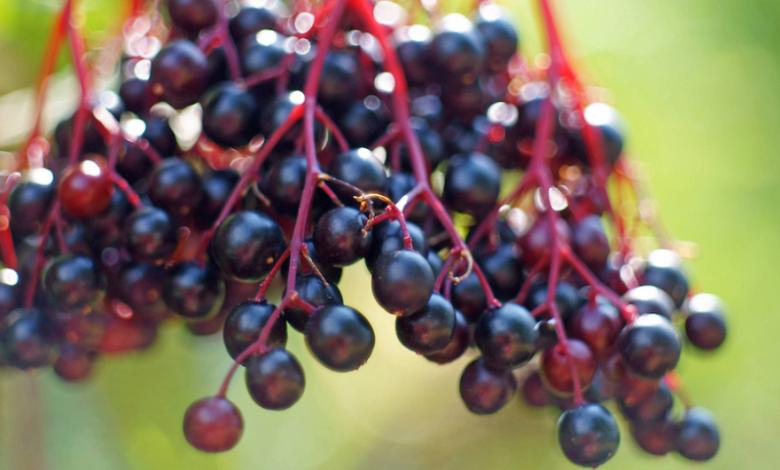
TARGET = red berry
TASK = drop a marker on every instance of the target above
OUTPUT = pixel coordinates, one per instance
(85, 191)
(598, 326)
(555, 367)
(213, 425)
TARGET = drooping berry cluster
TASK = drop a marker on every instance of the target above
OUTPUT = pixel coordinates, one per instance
(320, 132)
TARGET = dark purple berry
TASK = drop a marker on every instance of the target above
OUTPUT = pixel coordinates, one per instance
(402, 282)
(588, 435)
(244, 324)
(275, 379)
(505, 336)
(179, 73)
(339, 337)
(706, 323)
(486, 390)
(650, 346)
(246, 246)
(339, 238)
(429, 330)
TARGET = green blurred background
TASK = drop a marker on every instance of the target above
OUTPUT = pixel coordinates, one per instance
(698, 80)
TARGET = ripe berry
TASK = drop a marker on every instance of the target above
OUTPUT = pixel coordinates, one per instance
(71, 281)
(74, 363)
(387, 237)
(260, 52)
(588, 435)
(468, 297)
(275, 379)
(457, 50)
(331, 273)
(244, 324)
(229, 115)
(402, 282)
(567, 298)
(28, 339)
(698, 437)
(555, 369)
(283, 184)
(149, 234)
(213, 425)
(650, 299)
(364, 121)
(664, 270)
(534, 391)
(85, 191)
(29, 202)
(505, 336)
(503, 269)
(338, 236)
(590, 242)
(192, 289)
(360, 168)
(176, 187)
(472, 184)
(649, 346)
(500, 35)
(656, 438)
(250, 20)
(340, 79)
(179, 73)
(139, 286)
(9, 293)
(192, 16)
(339, 337)
(606, 119)
(217, 186)
(536, 242)
(457, 345)
(246, 246)
(653, 408)
(429, 330)
(134, 92)
(598, 326)
(312, 290)
(486, 390)
(411, 43)
(706, 323)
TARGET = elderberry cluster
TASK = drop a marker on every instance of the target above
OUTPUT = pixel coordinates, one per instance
(328, 136)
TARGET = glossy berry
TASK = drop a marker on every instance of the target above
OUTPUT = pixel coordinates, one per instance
(250, 20)
(85, 191)
(134, 92)
(664, 270)
(536, 242)
(505, 336)
(411, 45)
(313, 291)
(402, 282)
(360, 168)
(705, 325)
(603, 117)
(29, 202)
(192, 15)
(275, 379)
(472, 184)
(139, 286)
(28, 339)
(503, 269)
(457, 49)
(149, 235)
(71, 281)
(217, 186)
(229, 115)
(653, 408)
(331, 273)
(192, 289)
(283, 184)
(429, 330)
(260, 52)
(246, 245)
(698, 437)
(649, 346)
(500, 35)
(468, 297)
(176, 187)
(244, 324)
(588, 435)
(387, 237)
(657, 437)
(339, 238)
(341, 77)
(535, 393)
(457, 345)
(213, 424)
(650, 299)
(339, 337)
(555, 369)
(179, 73)
(486, 390)
(364, 121)
(590, 241)
(598, 325)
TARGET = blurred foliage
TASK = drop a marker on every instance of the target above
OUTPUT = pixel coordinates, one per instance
(699, 83)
